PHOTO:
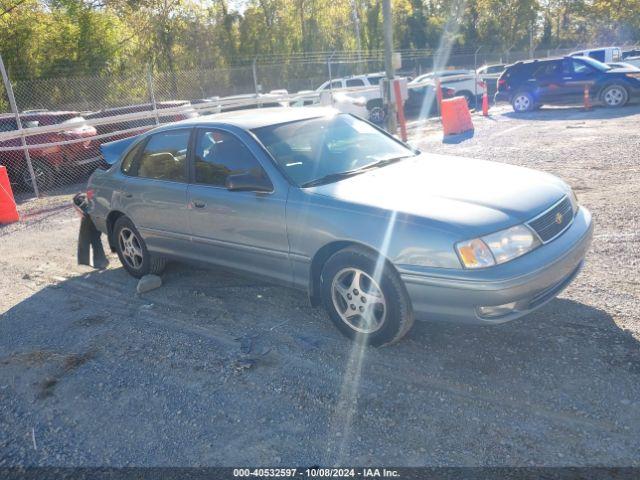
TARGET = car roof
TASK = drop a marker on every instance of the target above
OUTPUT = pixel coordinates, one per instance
(259, 117)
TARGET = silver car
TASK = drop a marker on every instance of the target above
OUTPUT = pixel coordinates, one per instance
(374, 230)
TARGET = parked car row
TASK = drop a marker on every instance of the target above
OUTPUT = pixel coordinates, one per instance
(530, 84)
(48, 160)
(527, 85)
(64, 152)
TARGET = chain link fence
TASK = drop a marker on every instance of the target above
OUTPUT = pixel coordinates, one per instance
(50, 141)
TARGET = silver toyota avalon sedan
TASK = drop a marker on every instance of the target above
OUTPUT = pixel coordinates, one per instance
(377, 232)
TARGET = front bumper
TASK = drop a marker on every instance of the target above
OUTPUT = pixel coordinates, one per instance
(530, 281)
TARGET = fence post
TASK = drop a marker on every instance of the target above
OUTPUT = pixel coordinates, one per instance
(152, 94)
(14, 109)
(255, 76)
(329, 67)
(475, 73)
(507, 54)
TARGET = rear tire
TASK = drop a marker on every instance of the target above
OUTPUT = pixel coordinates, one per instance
(368, 310)
(522, 102)
(132, 250)
(614, 96)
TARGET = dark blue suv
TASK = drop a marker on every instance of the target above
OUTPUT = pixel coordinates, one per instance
(561, 81)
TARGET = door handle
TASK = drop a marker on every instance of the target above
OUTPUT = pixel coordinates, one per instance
(198, 204)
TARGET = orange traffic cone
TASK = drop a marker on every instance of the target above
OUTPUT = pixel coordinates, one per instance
(485, 101)
(8, 210)
(587, 100)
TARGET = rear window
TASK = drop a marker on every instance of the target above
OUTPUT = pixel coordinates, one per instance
(495, 69)
(355, 82)
(547, 69)
(521, 70)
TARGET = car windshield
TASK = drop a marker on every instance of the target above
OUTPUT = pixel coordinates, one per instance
(326, 149)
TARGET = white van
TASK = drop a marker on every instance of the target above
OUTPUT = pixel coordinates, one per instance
(604, 55)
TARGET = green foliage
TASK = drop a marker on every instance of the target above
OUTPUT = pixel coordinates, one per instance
(50, 38)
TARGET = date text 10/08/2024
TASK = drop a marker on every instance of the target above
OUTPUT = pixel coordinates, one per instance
(316, 472)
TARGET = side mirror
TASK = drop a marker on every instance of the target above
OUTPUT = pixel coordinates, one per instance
(246, 182)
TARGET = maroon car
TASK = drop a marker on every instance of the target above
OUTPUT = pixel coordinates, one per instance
(117, 124)
(50, 160)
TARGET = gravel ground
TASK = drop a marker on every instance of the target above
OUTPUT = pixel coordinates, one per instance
(218, 369)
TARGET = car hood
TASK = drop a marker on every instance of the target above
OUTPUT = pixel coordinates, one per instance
(453, 192)
(623, 70)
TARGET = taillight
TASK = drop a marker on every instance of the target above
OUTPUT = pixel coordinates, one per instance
(502, 82)
(90, 194)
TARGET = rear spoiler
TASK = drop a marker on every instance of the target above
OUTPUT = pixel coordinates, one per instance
(112, 151)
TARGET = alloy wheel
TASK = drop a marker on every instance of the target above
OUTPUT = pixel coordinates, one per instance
(38, 172)
(377, 115)
(359, 300)
(614, 96)
(131, 248)
(522, 103)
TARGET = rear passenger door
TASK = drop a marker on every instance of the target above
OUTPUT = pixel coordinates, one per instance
(548, 82)
(154, 193)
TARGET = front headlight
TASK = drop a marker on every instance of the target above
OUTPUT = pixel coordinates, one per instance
(497, 248)
(574, 202)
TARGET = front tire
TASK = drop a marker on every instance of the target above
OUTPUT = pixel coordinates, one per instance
(470, 99)
(45, 175)
(377, 115)
(132, 250)
(522, 102)
(614, 96)
(367, 306)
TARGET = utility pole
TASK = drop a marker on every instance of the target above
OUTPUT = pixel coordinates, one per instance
(387, 26)
(356, 22)
(531, 50)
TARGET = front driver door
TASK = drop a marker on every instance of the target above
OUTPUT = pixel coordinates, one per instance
(578, 75)
(239, 229)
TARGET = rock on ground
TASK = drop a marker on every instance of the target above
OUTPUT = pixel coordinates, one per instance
(148, 283)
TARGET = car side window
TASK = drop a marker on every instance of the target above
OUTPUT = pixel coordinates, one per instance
(219, 154)
(355, 82)
(581, 68)
(164, 157)
(8, 125)
(546, 70)
(127, 163)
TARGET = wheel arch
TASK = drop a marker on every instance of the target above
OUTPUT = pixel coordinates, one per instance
(320, 259)
(609, 83)
(373, 103)
(113, 216)
(528, 91)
